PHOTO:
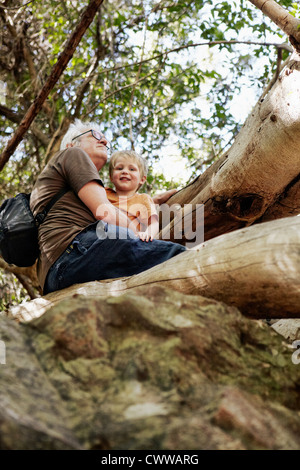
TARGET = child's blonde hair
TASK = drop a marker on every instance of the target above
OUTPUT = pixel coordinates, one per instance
(134, 156)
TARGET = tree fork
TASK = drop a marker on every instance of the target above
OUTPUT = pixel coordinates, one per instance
(63, 59)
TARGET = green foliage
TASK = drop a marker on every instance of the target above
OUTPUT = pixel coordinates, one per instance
(136, 71)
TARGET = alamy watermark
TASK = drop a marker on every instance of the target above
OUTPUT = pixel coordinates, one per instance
(296, 354)
(178, 223)
(2, 352)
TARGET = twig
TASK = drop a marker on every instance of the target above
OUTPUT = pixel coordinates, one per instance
(280, 67)
(134, 86)
(207, 43)
(121, 89)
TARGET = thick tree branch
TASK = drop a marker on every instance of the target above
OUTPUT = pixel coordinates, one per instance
(255, 269)
(281, 18)
(63, 59)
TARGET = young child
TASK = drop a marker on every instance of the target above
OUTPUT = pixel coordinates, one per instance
(128, 172)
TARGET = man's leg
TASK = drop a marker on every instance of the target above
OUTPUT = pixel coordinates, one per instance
(92, 257)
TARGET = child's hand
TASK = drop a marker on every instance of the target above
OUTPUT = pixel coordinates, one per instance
(144, 236)
(163, 197)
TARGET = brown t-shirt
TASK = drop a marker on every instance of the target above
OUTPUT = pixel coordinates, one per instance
(71, 167)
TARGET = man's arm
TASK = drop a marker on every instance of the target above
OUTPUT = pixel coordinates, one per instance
(94, 197)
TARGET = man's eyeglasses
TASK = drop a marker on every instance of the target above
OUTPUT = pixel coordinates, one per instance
(97, 136)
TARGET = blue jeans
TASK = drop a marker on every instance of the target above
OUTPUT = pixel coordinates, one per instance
(106, 252)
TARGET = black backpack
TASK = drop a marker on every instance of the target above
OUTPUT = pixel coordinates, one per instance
(19, 229)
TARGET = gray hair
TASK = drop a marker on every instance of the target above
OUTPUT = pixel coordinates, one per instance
(78, 127)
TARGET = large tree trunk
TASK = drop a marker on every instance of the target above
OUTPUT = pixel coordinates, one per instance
(256, 269)
(258, 178)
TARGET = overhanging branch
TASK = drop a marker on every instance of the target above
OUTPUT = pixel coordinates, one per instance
(285, 46)
(57, 70)
(282, 18)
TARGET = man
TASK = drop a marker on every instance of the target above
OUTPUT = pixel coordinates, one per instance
(84, 237)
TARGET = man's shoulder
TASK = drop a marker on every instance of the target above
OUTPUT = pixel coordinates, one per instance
(73, 159)
(69, 152)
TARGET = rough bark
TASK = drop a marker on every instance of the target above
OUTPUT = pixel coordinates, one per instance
(286, 205)
(258, 178)
(256, 269)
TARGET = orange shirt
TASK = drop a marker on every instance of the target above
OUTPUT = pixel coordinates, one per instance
(139, 207)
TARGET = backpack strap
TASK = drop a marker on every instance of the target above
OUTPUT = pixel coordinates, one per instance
(40, 217)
